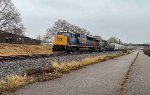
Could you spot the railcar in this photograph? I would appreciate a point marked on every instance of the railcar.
(118, 47)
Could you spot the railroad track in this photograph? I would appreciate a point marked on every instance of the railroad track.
(19, 57)
(36, 56)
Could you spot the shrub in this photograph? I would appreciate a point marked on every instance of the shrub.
(147, 51)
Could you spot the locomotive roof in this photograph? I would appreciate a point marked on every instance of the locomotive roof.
(90, 36)
(67, 32)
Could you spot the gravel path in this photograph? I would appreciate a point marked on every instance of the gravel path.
(139, 82)
(98, 79)
(20, 66)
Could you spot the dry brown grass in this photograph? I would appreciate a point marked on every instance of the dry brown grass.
(43, 74)
(11, 83)
(21, 49)
(74, 65)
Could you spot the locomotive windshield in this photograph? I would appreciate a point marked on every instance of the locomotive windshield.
(68, 34)
(63, 33)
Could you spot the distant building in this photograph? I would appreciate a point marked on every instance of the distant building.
(10, 38)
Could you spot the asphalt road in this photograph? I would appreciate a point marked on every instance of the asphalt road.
(139, 82)
(100, 79)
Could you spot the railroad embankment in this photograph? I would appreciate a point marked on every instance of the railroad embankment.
(52, 70)
(21, 49)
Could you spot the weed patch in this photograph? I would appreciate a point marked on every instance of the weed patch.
(13, 82)
(75, 65)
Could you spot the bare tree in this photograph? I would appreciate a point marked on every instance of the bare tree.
(39, 37)
(60, 25)
(63, 25)
(114, 40)
(10, 20)
(51, 32)
(44, 39)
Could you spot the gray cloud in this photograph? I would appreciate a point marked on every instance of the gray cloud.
(128, 20)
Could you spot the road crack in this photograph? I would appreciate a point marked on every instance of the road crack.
(126, 78)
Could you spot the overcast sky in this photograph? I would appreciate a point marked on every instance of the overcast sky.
(128, 20)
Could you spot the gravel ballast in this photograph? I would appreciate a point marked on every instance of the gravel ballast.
(20, 66)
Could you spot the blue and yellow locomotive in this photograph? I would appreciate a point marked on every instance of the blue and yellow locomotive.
(70, 42)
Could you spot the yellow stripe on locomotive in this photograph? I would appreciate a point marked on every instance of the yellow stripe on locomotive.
(60, 40)
(84, 40)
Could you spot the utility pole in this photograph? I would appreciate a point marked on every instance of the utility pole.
(119, 41)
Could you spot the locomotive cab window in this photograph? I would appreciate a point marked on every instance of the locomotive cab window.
(63, 33)
(72, 35)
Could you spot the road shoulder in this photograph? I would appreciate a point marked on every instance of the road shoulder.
(140, 78)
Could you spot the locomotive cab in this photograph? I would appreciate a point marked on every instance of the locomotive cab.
(65, 38)
(65, 41)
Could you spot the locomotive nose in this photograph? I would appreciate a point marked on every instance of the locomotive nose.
(60, 40)
(60, 43)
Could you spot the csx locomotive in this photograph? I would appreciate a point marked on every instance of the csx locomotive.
(70, 42)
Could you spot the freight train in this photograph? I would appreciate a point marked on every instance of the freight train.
(71, 42)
